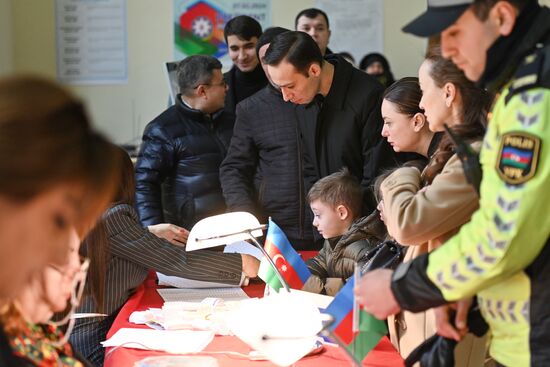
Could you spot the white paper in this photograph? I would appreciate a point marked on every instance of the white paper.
(319, 300)
(197, 295)
(180, 282)
(171, 341)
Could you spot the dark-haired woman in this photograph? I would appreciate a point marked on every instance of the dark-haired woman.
(58, 175)
(405, 126)
(122, 252)
(423, 209)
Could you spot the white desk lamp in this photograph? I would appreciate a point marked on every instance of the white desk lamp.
(228, 228)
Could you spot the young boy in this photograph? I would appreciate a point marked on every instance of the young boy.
(336, 204)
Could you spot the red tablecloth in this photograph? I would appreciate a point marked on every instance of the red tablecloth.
(146, 296)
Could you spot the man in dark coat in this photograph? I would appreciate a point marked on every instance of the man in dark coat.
(339, 113)
(262, 172)
(246, 77)
(315, 22)
(177, 171)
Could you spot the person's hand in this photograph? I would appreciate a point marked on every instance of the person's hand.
(170, 232)
(374, 294)
(250, 265)
(444, 325)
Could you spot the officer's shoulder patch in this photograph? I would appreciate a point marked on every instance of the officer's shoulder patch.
(518, 157)
(533, 71)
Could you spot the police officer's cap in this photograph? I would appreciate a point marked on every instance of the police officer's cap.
(439, 16)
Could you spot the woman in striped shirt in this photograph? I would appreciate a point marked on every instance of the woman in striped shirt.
(122, 252)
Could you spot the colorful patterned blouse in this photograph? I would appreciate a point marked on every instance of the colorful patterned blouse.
(35, 345)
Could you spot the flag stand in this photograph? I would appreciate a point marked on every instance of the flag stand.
(325, 332)
(329, 333)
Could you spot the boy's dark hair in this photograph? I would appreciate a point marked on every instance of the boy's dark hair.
(297, 48)
(339, 188)
(195, 70)
(268, 36)
(481, 8)
(243, 26)
(311, 13)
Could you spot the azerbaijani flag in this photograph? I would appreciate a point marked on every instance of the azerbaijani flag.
(370, 329)
(291, 266)
(516, 157)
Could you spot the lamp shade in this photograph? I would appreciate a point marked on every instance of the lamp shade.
(223, 229)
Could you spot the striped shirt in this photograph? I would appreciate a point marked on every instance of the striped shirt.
(133, 252)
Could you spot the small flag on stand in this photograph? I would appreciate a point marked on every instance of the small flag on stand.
(289, 263)
(370, 329)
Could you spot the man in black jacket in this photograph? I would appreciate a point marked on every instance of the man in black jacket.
(262, 172)
(339, 113)
(177, 171)
(315, 22)
(246, 77)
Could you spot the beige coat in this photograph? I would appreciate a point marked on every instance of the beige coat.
(425, 219)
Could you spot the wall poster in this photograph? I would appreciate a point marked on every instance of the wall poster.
(198, 25)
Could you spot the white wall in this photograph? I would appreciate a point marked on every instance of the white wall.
(122, 111)
(6, 44)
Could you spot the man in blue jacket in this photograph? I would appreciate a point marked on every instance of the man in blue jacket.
(177, 171)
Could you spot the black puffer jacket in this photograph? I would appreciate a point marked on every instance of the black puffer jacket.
(336, 261)
(177, 171)
(262, 172)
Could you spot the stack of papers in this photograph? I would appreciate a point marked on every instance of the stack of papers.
(197, 295)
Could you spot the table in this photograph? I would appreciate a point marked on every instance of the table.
(146, 296)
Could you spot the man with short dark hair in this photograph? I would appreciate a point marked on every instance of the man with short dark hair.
(177, 171)
(315, 22)
(339, 113)
(503, 254)
(246, 77)
(262, 172)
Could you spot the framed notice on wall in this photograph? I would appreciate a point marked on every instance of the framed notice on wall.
(91, 38)
(357, 25)
(198, 25)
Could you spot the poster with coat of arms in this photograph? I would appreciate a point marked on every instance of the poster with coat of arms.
(199, 24)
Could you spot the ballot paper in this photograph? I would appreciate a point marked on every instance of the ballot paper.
(170, 341)
(197, 295)
(210, 314)
(180, 282)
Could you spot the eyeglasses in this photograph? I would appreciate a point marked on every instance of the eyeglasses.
(77, 291)
(63, 270)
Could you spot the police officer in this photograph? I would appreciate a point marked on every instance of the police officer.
(503, 254)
